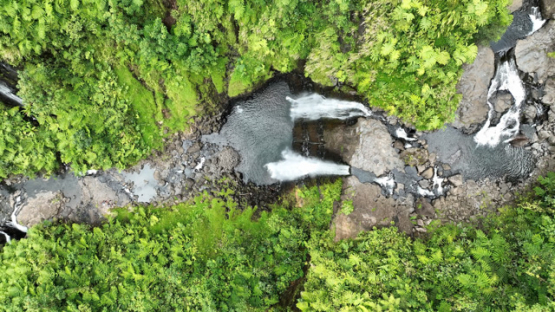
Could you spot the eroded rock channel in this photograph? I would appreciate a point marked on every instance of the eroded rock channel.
(503, 137)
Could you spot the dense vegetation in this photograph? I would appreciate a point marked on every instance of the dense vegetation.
(207, 256)
(104, 81)
(202, 256)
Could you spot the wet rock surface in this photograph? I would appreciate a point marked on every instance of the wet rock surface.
(374, 151)
(473, 86)
(43, 206)
(548, 96)
(515, 5)
(548, 9)
(531, 53)
(372, 209)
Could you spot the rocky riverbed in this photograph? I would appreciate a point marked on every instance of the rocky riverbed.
(467, 199)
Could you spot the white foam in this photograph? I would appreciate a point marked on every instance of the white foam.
(4, 89)
(386, 182)
(294, 166)
(437, 183)
(316, 106)
(506, 79)
(400, 133)
(200, 164)
(423, 192)
(13, 223)
(537, 20)
(437, 187)
(8, 238)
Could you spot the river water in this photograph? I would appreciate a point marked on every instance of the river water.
(262, 130)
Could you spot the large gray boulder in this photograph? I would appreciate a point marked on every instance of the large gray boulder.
(549, 92)
(548, 8)
(473, 85)
(371, 209)
(531, 53)
(43, 206)
(515, 5)
(374, 152)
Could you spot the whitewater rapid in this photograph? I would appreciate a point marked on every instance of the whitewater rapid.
(316, 106)
(294, 166)
(507, 78)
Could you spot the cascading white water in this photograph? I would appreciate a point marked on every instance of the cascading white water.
(437, 187)
(506, 79)
(400, 133)
(437, 183)
(387, 183)
(316, 106)
(537, 20)
(294, 166)
(7, 237)
(13, 222)
(9, 93)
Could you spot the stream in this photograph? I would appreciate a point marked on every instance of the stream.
(277, 135)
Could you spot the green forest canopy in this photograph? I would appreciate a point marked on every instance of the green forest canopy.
(206, 255)
(107, 80)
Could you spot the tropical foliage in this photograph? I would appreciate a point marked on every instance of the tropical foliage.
(201, 256)
(206, 255)
(105, 81)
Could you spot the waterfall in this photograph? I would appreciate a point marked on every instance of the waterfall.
(316, 106)
(13, 222)
(8, 95)
(537, 20)
(6, 237)
(294, 166)
(506, 79)
(312, 107)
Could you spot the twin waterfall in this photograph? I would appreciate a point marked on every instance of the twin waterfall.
(293, 166)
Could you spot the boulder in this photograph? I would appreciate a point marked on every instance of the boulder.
(428, 173)
(531, 53)
(548, 8)
(456, 180)
(371, 209)
(473, 85)
(414, 156)
(43, 206)
(549, 92)
(503, 102)
(374, 152)
(99, 198)
(515, 5)
(228, 159)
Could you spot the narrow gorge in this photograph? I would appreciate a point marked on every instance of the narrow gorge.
(293, 130)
